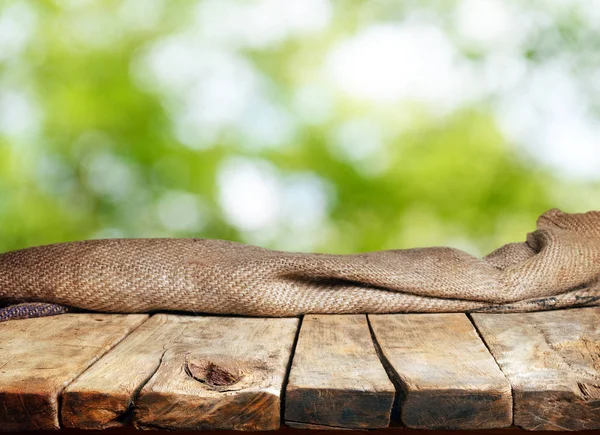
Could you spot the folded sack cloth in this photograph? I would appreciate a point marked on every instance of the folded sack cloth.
(557, 266)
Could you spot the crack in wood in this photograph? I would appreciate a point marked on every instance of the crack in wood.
(394, 377)
(309, 425)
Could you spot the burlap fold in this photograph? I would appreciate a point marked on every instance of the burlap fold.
(557, 266)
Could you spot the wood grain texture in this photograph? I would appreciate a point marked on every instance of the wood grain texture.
(103, 396)
(552, 359)
(40, 357)
(446, 377)
(218, 373)
(336, 379)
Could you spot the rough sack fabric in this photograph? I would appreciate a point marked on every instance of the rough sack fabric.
(558, 266)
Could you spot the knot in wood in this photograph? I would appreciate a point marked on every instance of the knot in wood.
(214, 374)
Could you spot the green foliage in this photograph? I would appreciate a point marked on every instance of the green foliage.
(105, 154)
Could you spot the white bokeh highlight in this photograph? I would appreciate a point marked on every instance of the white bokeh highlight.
(20, 115)
(260, 24)
(407, 62)
(549, 115)
(182, 212)
(266, 205)
(18, 23)
(111, 176)
(211, 92)
(489, 24)
(249, 194)
(361, 141)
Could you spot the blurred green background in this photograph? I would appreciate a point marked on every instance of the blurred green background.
(317, 125)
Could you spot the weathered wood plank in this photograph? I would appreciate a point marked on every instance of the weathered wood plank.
(168, 357)
(212, 373)
(103, 396)
(39, 357)
(447, 379)
(336, 379)
(552, 359)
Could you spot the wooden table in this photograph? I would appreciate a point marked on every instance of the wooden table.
(521, 371)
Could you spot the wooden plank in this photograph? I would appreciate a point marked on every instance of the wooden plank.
(221, 373)
(191, 373)
(552, 359)
(446, 377)
(336, 379)
(39, 357)
(103, 396)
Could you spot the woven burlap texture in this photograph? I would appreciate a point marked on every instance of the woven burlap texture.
(558, 266)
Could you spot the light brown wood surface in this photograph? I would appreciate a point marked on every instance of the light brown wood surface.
(336, 379)
(552, 360)
(103, 396)
(447, 379)
(40, 357)
(218, 373)
(214, 372)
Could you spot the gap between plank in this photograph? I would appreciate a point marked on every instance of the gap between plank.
(288, 369)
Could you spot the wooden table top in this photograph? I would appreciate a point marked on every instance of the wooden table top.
(493, 373)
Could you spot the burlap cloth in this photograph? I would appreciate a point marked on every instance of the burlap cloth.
(558, 266)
